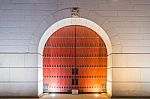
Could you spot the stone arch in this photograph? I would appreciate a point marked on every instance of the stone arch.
(75, 21)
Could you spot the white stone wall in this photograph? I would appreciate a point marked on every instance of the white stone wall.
(23, 22)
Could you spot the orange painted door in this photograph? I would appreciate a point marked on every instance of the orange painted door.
(75, 57)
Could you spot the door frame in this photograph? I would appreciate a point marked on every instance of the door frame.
(82, 22)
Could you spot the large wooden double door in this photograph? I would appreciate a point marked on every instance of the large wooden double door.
(75, 57)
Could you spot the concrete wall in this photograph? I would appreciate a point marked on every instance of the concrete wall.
(23, 22)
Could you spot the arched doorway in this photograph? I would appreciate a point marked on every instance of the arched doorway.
(75, 57)
(82, 22)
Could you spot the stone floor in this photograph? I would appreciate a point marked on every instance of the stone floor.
(69, 96)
